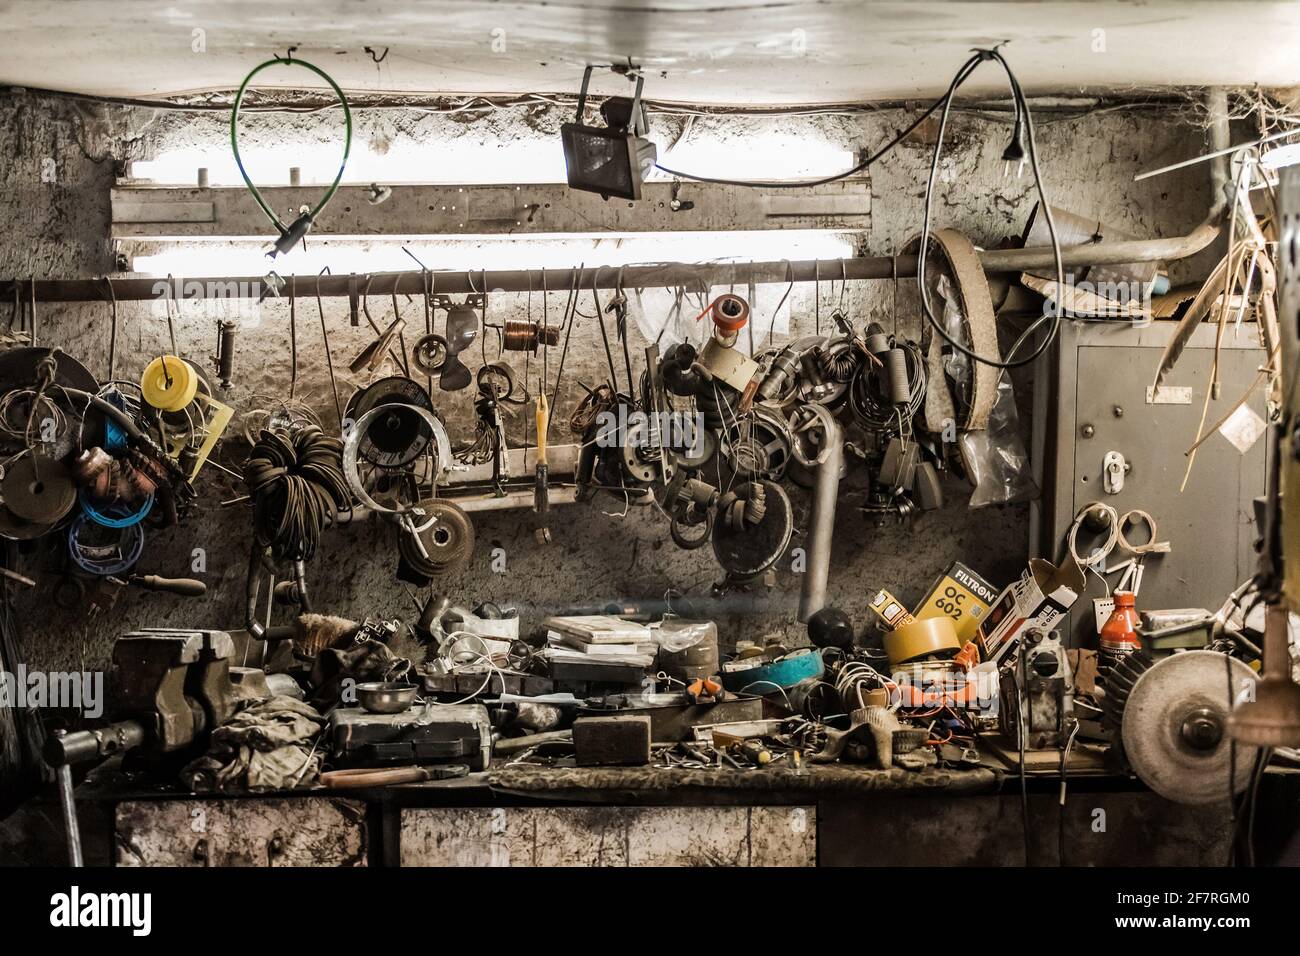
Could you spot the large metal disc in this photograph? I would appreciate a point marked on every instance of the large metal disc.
(1175, 727)
(749, 551)
(38, 489)
(400, 435)
(447, 536)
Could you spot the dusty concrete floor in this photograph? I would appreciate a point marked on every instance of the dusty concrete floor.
(60, 229)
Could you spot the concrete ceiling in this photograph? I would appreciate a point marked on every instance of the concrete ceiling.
(717, 51)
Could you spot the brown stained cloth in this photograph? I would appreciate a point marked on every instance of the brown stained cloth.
(266, 746)
(814, 779)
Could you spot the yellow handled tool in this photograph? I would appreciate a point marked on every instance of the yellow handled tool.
(541, 498)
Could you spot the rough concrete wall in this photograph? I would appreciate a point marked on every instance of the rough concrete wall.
(59, 230)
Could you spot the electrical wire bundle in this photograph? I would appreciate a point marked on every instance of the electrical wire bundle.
(296, 484)
(873, 386)
(1017, 151)
(595, 403)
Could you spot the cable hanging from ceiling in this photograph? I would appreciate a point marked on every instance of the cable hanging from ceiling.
(292, 233)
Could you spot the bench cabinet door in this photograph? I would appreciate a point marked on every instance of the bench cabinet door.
(609, 836)
(302, 831)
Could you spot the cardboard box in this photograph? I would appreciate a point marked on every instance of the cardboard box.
(961, 594)
(1038, 600)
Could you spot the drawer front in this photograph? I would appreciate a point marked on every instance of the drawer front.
(302, 831)
(609, 836)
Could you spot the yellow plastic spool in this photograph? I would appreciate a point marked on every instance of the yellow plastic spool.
(169, 383)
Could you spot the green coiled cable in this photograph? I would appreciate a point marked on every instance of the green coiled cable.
(234, 138)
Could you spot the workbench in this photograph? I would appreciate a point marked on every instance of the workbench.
(519, 814)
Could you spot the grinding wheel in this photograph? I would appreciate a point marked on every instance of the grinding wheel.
(398, 437)
(1175, 727)
(38, 489)
(447, 536)
(15, 529)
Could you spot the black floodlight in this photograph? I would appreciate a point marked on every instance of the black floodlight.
(611, 160)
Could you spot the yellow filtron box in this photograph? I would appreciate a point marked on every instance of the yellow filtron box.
(962, 595)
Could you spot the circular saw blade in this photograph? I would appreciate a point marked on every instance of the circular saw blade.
(1170, 702)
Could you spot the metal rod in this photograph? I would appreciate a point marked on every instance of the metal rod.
(68, 803)
(667, 275)
(812, 596)
(1204, 157)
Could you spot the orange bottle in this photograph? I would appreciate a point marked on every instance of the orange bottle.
(1119, 636)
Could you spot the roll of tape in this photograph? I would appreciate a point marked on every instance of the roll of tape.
(729, 312)
(169, 383)
(917, 639)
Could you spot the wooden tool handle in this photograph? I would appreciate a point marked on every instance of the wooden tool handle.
(543, 421)
(363, 777)
(184, 587)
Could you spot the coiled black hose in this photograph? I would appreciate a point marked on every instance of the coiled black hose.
(296, 483)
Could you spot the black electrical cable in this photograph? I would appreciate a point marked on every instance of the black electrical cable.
(1053, 313)
(297, 485)
(1020, 746)
(804, 183)
(1262, 759)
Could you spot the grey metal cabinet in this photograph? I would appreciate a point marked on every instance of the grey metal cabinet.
(1092, 398)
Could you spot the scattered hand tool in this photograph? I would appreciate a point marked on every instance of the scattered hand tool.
(754, 752)
(541, 497)
(704, 690)
(367, 777)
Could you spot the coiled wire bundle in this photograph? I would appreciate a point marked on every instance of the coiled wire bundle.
(878, 381)
(525, 335)
(297, 484)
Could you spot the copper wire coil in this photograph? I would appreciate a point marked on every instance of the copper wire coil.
(521, 335)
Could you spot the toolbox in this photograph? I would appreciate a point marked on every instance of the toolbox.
(424, 733)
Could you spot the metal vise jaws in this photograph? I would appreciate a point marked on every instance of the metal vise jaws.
(168, 687)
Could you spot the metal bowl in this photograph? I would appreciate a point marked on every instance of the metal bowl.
(386, 697)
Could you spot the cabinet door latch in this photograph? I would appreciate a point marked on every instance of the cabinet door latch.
(1113, 469)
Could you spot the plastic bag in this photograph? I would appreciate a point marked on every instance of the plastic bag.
(675, 634)
(996, 460)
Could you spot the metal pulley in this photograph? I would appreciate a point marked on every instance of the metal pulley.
(641, 454)
(38, 489)
(429, 353)
(758, 446)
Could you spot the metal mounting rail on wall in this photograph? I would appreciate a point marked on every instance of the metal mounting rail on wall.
(142, 211)
(660, 275)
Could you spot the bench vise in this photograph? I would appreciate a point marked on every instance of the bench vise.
(169, 688)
